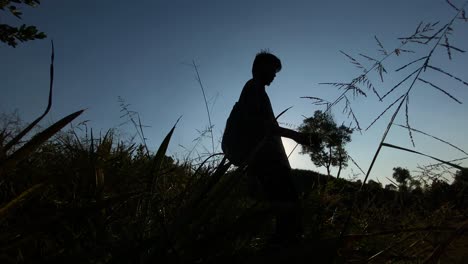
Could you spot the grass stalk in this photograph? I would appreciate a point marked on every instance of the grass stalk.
(206, 105)
(16, 139)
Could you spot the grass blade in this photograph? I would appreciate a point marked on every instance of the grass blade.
(434, 137)
(386, 109)
(284, 111)
(452, 47)
(452, 5)
(161, 153)
(19, 200)
(402, 81)
(37, 140)
(448, 74)
(49, 105)
(206, 104)
(419, 153)
(353, 60)
(382, 49)
(407, 121)
(401, 68)
(440, 89)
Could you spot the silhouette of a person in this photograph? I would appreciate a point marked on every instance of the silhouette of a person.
(270, 163)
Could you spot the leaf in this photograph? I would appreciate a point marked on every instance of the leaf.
(452, 47)
(284, 111)
(452, 5)
(448, 74)
(382, 49)
(418, 35)
(386, 109)
(49, 105)
(370, 86)
(434, 137)
(19, 200)
(369, 58)
(353, 60)
(351, 113)
(435, 35)
(15, 11)
(429, 27)
(402, 81)
(356, 164)
(417, 29)
(440, 89)
(381, 71)
(356, 90)
(447, 45)
(422, 154)
(407, 121)
(161, 153)
(401, 68)
(36, 141)
(339, 85)
(399, 51)
(406, 51)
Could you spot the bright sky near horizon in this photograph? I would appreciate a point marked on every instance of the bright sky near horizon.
(142, 51)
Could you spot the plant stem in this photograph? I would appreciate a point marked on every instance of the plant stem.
(206, 105)
(423, 67)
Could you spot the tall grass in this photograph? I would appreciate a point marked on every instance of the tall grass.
(104, 201)
(77, 197)
(436, 36)
(12, 152)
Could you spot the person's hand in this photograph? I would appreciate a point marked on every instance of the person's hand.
(308, 139)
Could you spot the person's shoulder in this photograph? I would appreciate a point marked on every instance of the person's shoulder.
(251, 87)
(249, 83)
(252, 92)
(248, 87)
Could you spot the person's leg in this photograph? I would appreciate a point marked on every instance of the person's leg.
(289, 218)
(280, 191)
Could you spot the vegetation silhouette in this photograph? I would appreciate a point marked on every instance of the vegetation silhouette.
(331, 151)
(74, 196)
(10, 34)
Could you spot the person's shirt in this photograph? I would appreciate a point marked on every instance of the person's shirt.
(257, 109)
(260, 118)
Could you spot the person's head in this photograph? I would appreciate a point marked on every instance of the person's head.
(265, 67)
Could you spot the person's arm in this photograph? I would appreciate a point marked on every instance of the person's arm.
(288, 133)
(308, 139)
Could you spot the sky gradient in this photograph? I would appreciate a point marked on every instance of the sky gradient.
(143, 52)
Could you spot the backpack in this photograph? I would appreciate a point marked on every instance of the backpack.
(235, 143)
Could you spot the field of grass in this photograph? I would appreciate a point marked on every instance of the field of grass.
(85, 199)
(75, 197)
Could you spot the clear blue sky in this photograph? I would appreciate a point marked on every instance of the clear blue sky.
(142, 51)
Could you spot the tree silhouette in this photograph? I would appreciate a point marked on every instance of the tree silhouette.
(331, 151)
(461, 177)
(10, 34)
(401, 176)
(373, 185)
